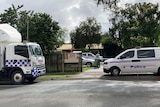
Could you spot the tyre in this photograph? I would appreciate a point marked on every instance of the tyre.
(89, 64)
(17, 77)
(115, 71)
(158, 72)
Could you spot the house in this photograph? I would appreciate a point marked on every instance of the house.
(66, 47)
(95, 46)
(69, 46)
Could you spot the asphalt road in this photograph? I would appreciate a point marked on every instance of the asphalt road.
(101, 91)
(82, 93)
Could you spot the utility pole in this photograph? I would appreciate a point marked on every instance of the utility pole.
(27, 30)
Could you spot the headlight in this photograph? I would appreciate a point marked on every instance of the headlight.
(34, 65)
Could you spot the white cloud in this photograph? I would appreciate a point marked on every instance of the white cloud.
(69, 13)
(4, 5)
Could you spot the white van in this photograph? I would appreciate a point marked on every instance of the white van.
(136, 60)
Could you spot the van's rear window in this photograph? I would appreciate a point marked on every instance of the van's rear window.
(146, 53)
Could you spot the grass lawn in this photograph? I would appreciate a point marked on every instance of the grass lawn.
(61, 75)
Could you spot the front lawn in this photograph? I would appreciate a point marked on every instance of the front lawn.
(61, 75)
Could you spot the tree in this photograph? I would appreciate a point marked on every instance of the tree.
(36, 27)
(88, 32)
(11, 16)
(157, 35)
(135, 24)
(111, 48)
(108, 3)
(46, 30)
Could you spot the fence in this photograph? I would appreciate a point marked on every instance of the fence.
(64, 62)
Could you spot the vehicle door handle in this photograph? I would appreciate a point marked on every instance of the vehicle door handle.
(135, 60)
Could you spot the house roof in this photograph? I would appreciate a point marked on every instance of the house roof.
(95, 46)
(69, 46)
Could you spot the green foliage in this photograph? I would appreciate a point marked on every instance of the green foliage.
(108, 3)
(111, 48)
(157, 36)
(88, 32)
(46, 30)
(135, 25)
(35, 27)
(10, 15)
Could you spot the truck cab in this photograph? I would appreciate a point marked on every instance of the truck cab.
(23, 61)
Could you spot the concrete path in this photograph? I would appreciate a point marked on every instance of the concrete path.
(94, 73)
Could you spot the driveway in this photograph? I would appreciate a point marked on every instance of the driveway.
(94, 73)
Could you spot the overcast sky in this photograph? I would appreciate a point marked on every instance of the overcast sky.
(69, 13)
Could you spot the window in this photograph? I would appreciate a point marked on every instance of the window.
(146, 53)
(35, 50)
(90, 55)
(128, 54)
(84, 54)
(21, 50)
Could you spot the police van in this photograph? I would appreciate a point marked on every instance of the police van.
(136, 60)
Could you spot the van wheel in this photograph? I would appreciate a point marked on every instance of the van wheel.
(115, 71)
(17, 77)
(158, 72)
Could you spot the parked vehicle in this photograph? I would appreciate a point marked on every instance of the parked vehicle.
(89, 55)
(19, 61)
(136, 60)
(87, 62)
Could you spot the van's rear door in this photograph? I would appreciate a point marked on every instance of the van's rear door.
(147, 60)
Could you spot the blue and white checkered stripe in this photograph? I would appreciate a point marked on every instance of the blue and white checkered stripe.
(18, 63)
(40, 70)
(37, 73)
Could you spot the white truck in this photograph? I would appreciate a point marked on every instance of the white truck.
(19, 61)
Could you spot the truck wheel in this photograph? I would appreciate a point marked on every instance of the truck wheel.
(17, 77)
(115, 71)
